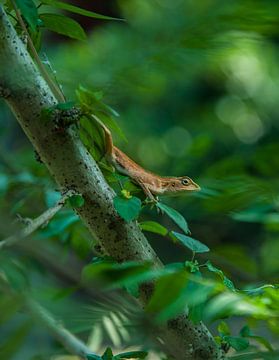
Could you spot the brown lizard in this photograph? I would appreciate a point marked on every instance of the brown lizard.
(150, 183)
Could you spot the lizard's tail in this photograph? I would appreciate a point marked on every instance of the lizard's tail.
(108, 137)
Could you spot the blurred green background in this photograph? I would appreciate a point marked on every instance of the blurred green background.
(196, 85)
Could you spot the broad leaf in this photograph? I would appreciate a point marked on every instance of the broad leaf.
(175, 292)
(246, 332)
(29, 12)
(154, 227)
(128, 209)
(93, 357)
(63, 25)
(227, 282)
(107, 355)
(175, 216)
(263, 355)
(116, 275)
(131, 355)
(192, 244)
(238, 343)
(76, 10)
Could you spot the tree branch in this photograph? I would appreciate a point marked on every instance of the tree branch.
(56, 329)
(45, 318)
(73, 168)
(36, 223)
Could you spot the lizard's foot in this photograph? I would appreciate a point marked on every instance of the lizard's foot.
(152, 201)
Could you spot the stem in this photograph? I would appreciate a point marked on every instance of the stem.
(36, 223)
(55, 89)
(58, 331)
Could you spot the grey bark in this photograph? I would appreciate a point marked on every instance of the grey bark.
(69, 162)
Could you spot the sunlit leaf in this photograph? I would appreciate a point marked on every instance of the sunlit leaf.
(223, 328)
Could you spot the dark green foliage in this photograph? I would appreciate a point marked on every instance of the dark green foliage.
(196, 87)
(63, 25)
(77, 10)
(29, 12)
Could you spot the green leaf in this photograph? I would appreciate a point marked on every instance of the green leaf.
(63, 25)
(238, 343)
(107, 355)
(223, 329)
(273, 355)
(93, 357)
(192, 266)
(91, 103)
(175, 292)
(261, 341)
(227, 282)
(192, 244)
(128, 209)
(154, 227)
(246, 332)
(29, 12)
(131, 355)
(167, 290)
(175, 216)
(77, 10)
(76, 201)
(116, 275)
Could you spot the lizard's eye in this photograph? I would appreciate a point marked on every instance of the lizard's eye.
(185, 182)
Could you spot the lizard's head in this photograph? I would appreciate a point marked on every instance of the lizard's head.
(183, 183)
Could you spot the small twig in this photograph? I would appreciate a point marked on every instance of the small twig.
(58, 331)
(35, 224)
(45, 318)
(56, 90)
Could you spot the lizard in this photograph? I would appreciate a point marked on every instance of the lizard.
(150, 183)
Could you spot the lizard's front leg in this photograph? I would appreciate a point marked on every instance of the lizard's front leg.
(147, 192)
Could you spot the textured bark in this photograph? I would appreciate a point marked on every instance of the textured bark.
(68, 161)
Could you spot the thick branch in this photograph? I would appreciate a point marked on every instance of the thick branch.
(73, 168)
(35, 224)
